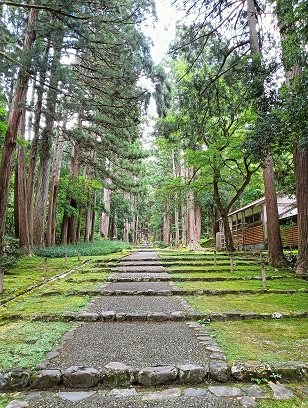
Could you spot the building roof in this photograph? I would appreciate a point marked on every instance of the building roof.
(289, 211)
(249, 205)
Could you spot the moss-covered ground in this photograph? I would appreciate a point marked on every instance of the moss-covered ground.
(28, 293)
(279, 340)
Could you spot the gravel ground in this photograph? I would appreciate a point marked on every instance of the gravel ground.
(153, 262)
(141, 268)
(139, 275)
(208, 401)
(141, 256)
(136, 304)
(142, 286)
(136, 344)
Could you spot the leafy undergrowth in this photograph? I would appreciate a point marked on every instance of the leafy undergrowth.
(24, 344)
(262, 341)
(98, 247)
(253, 303)
(4, 400)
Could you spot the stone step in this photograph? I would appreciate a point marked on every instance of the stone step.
(113, 316)
(177, 292)
(118, 277)
(231, 396)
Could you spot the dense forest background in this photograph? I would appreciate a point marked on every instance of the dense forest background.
(231, 122)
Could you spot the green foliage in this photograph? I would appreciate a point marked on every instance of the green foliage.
(98, 247)
(24, 344)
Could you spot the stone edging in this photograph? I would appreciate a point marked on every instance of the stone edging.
(176, 292)
(176, 316)
(117, 374)
(187, 279)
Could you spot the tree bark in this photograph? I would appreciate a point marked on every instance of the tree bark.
(275, 248)
(93, 217)
(176, 210)
(301, 178)
(198, 218)
(54, 188)
(166, 229)
(74, 173)
(46, 148)
(105, 215)
(34, 141)
(10, 140)
(288, 28)
(24, 238)
(184, 204)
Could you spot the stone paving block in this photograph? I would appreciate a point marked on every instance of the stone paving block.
(281, 392)
(118, 374)
(75, 396)
(122, 393)
(157, 316)
(222, 391)
(291, 370)
(81, 377)
(177, 316)
(17, 404)
(218, 356)
(161, 395)
(219, 371)
(243, 371)
(255, 391)
(248, 402)
(108, 315)
(120, 317)
(152, 376)
(15, 379)
(191, 374)
(87, 317)
(195, 392)
(45, 379)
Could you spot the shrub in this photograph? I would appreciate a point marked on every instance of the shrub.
(96, 248)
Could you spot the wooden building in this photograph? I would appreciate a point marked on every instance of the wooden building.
(249, 225)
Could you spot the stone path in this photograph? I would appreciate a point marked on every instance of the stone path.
(155, 347)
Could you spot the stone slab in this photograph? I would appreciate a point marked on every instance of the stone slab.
(281, 392)
(75, 395)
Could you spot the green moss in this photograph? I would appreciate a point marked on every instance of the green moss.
(28, 305)
(293, 403)
(262, 341)
(279, 284)
(24, 344)
(4, 400)
(265, 303)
